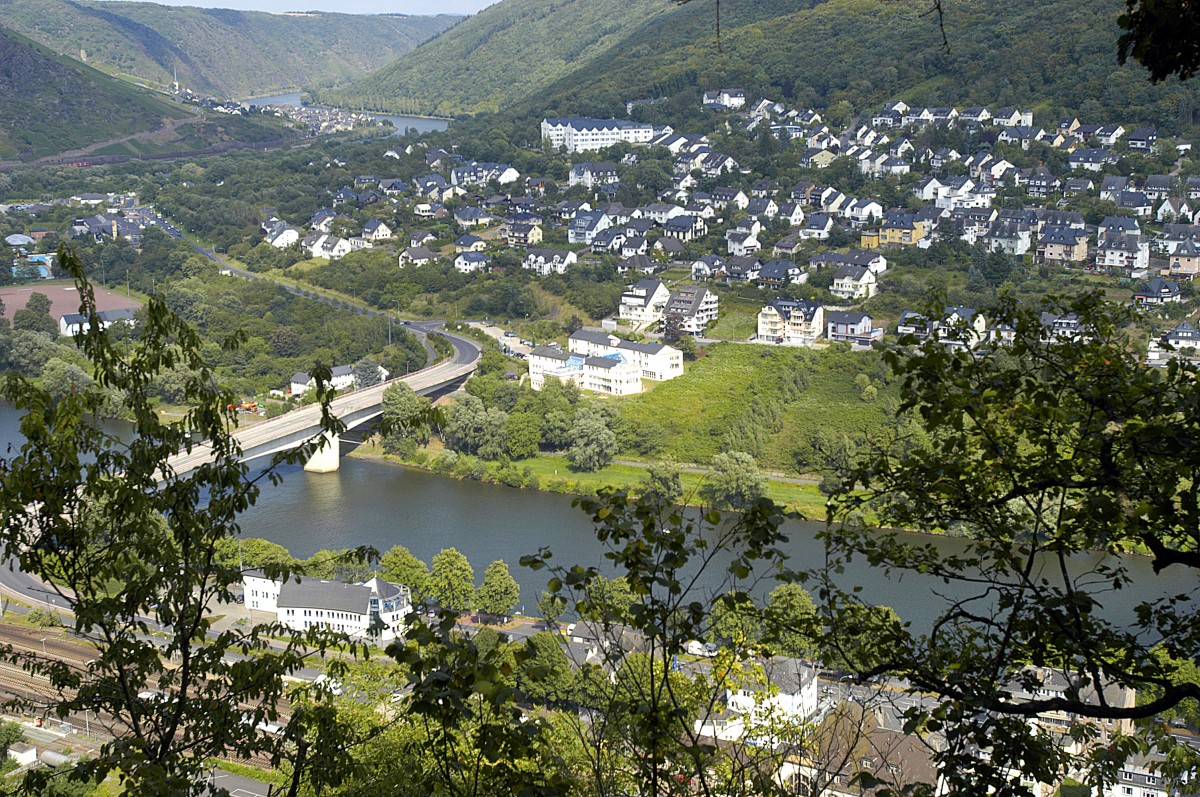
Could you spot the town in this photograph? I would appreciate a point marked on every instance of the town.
(840, 254)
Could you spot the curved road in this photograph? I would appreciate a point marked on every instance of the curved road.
(28, 589)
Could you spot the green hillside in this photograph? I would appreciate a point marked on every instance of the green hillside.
(504, 53)
(1048, 54)
(1051, 55)
(236, 54)
(52, 104)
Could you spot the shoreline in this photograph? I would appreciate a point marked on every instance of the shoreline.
(804, 499)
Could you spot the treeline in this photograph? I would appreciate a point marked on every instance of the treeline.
(1056, 57)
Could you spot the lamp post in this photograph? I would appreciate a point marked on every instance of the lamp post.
(44, 654)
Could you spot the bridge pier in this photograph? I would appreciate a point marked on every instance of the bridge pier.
(327, 459)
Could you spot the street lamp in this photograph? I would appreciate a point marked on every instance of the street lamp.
(44, 654)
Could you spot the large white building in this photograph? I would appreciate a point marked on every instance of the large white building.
(642, 303)
(656, 361)
(604, 363)
(789, 322)
(375, 608)
(580, 134)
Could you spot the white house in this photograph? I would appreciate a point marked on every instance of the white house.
(696, 308)
(545, 262)
(854, 282)
(613, 374)
(642, 303)
(470, 262)
(797, 322)
(76, 323)
(579, 134)
(341, 378)
(375, 608)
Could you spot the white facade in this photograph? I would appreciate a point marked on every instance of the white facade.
(582, 134)
(655, 360)
(613, 375)
(375, 608)
(642, 303)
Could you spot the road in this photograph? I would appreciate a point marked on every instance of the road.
(259, 435)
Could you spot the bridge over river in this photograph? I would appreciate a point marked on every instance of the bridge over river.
(352, 409)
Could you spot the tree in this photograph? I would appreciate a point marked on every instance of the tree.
(405, 414)
(452, 581)
(551, 607)
(524, 434)
(366, 373)
(252, 552)
(38, 303)
(33, 321)
(663, 483)
(791, 622)
(1039, 454)
(736, 481)
(736, 621)
(10, 733)
(593, 443)
(499, 593)
(545, 676)
(401, 567)
(62, 379)
(83, 511)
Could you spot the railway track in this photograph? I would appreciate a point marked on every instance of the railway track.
(37, 693)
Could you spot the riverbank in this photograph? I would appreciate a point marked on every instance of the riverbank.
(552, 474)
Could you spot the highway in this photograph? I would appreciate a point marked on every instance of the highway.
(305, 420)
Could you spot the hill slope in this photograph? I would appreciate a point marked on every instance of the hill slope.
(228, 53)
(52, 104)
(504, 53)
(1048, 54)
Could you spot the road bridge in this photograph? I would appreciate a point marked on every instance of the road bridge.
(352, 409)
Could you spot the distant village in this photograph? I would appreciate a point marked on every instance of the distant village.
(724, 231)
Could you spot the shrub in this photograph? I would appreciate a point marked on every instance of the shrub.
(44, 618)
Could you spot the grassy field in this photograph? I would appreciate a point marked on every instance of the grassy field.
(738, 319)
(738, 398)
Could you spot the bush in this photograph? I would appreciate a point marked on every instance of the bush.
(44, 618)
(445, 462)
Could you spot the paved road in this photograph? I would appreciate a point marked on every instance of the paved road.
(462, 363)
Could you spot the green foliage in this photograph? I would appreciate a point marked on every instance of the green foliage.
(252, 552)
(791, 620)
(663, 483)
(768, 401)
(789, 50)
(44, 618)
(546, 676)
(401, 567)
(736, 482)
(114, 511)
(526, 43)
(499, 593)
(1038, 453)
(593, 443)
(452, 581)
(53, 104)
(523, 434)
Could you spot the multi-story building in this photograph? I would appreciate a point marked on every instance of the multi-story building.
(374, 608)
(580, 134)
(789, 322)
(642, 303)
(656, 361)
(696, 308)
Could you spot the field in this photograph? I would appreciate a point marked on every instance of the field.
(770, 401)
(63, 297)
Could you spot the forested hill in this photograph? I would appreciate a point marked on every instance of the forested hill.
(515, 48)
(1051, 55)
(236, 54)
(51, 104)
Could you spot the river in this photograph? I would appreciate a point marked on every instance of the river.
(377, 504)
(403, 123)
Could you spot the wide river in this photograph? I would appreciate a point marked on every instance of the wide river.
(419, 123)
(380, 505)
